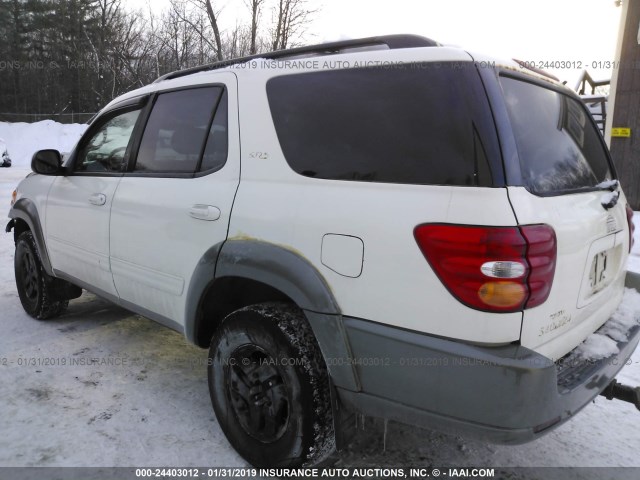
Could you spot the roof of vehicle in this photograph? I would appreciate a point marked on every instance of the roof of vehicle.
(345, 54)
(392, 42)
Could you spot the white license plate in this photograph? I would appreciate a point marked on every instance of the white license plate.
(598, 274)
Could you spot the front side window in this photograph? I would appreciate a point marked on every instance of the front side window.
(560, 149)
(178, 127)
(105, 150)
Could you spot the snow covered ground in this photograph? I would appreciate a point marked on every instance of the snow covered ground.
(153, 408)
(24, 139)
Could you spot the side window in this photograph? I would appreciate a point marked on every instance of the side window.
(175, 135)
(105, 150)
(426, 124)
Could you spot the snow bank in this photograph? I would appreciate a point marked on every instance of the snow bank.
(24, 139)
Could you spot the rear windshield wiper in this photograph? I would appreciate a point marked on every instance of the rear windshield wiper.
(609, 200)
(611, 185)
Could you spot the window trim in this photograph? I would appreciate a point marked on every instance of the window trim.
(138, 103)
(204, 145)
(129, 172)
(138, 99)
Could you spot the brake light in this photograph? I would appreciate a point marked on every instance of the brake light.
(632, 227)
(495, 269)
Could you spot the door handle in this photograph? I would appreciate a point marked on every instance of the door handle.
(98, 199)
(205, 212)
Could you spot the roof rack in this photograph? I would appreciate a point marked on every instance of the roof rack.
(391, 41)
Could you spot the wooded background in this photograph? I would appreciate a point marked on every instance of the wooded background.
(65, 59)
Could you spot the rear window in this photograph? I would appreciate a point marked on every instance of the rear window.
(560, 150)
(417, 124)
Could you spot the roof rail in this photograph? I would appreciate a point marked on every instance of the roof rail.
(539, 71)
(391, 41)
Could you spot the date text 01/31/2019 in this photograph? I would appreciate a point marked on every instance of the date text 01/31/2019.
(354, 472)
(571, 64)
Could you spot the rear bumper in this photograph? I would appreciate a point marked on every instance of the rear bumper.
(507, 395)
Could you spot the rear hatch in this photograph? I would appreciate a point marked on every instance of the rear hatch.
(561, 175)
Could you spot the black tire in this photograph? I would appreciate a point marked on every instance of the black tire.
(270, 388)
(35, 286)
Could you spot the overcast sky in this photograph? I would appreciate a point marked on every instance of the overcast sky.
(535, 30)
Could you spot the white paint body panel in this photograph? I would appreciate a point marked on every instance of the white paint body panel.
(156, 242)
(397, 286)
(36, 188)
(77, 232)
(571, 313)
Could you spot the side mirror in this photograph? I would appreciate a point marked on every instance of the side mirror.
(47, 162)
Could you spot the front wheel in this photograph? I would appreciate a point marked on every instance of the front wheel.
(36, 288)
(270, 388)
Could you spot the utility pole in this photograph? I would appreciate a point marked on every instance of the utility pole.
(623, 125)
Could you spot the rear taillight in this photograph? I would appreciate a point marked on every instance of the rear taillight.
(496, 269)
(632, 227)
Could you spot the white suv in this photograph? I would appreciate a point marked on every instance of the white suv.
(384, 226)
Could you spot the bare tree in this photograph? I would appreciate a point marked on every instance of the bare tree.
(129, 53)
(207, 6)
(292, 17)
(194, 19)
(94, 50)
(255, 7)
(237, 42)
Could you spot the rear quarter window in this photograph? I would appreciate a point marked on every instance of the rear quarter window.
(417, 124)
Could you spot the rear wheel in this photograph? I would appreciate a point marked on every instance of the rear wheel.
(270, 388)
(35, 286)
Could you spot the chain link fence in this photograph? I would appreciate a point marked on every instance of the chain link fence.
(37, 117)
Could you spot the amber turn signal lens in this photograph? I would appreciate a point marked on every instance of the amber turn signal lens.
(502, 294)
(14, 197)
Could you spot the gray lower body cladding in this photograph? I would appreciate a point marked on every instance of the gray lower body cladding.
(506, 394)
